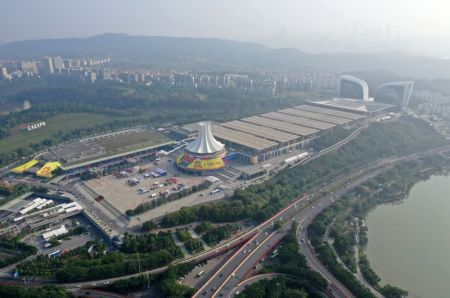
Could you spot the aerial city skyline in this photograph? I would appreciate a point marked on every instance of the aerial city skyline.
(234, 149)
(368, 26)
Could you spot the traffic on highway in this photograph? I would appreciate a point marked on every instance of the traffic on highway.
(226, 281)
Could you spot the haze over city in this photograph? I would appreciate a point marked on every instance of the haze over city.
(414, 26)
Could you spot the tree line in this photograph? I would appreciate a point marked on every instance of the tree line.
(165, 282)
(35, 292)
(139, 252)
(19, 251)
(220, 233)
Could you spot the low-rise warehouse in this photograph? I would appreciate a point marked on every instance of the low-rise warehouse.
(316, 116)
(259, 138)
(299, 130)
(242, 138)
(332, 112)
(261, 131)
(251, 148)
(299, 120)
(55, 233)
(50, 215)
(355, 106)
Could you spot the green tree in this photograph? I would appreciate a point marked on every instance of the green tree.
(393, 292)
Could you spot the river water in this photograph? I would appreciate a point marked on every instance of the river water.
(409, 242)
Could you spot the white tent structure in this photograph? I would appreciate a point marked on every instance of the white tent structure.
(205, 143)
(204, 154)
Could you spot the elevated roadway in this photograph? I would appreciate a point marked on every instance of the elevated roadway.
(303, 210)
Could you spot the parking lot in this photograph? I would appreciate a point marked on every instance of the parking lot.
(67, 243)
(139, 186)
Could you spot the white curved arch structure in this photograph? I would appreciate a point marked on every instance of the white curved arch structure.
(344, 81)
(403, 90)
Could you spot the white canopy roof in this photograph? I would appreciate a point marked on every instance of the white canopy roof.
(205, 142)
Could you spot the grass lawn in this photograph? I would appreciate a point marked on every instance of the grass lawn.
(63, 123)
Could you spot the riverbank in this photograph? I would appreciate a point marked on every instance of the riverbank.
(418, 242)
(346, 218)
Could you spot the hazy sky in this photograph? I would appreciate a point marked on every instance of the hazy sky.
(314, 25)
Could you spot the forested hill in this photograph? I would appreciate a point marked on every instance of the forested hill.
(126, 46)
(156, 51)
(218, 54)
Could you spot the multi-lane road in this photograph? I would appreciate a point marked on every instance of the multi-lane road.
(336, 287)
(242, 261)
(303, 210)
(229, 277)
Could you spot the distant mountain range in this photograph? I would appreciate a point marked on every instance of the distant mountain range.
(205, 54)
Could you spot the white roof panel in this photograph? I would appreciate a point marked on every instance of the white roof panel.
(205, 142)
